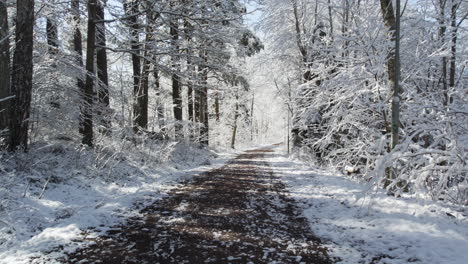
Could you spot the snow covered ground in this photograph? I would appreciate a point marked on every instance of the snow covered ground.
(85, 191)
(362, 226)
(358, 225)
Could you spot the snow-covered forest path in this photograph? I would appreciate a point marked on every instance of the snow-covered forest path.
(239, 213)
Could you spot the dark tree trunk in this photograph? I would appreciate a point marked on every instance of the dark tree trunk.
(159, 106)
(442, 34)
(4, 69)
(453, 48)
(52, 35)
(234, 126)
(22, 72)
(196, 104)
(203, 101)
(306, 75)
(78, 48)
(204, 111)
(176, 89)
(300, 44)
(392, 22)
(143, 99)
(188, 30)
(217, 113)
(53, 43)
(140, 114)
(144, 81)
(190, 102)
(87, 113)
(101, 62)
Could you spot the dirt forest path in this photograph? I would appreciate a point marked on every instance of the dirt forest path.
(239, 213)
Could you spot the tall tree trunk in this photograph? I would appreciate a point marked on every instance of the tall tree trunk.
(217, 113)
(393, 68)
(205, 114)
(300, 43)
(159, 104)
(140, 114)
(176, 89)
(234, 126)
(22, 72)
(442, 34)
(53, 44)
(190, 102)
(197, 101)
(4, 69)
(78, 48)
(101, 63)
(330, 19)
(144, 82)
(87, 113)
(52, 35)
(453, 48)
(188, 30)
(306, 74)
(201, 108)
(344, 28)
(252, 117)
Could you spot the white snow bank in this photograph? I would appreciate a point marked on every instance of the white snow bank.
(374, 228)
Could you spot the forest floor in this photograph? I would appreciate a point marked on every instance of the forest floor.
(239, 213)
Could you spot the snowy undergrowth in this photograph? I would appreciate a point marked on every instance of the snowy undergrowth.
(363, 227)
(51, 194)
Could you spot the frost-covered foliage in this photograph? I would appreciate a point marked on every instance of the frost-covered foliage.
(341, 112)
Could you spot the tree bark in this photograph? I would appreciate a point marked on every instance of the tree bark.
(144, 82)
(52, 35)
(453, 48)
(78, 48)
(306, 74)
(442, 34)
(188, 30)
(4, 69)
(53, 46)
(202, 93)
(217, 112)
(101, 63)
(234, 127)
(300, 43)
(159, 105)
(140, 113)
(87, 113)
(392, 21)
(392, 24)
(176, 93)
(22, 72)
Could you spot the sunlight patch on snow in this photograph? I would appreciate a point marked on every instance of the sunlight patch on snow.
(64, 234)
